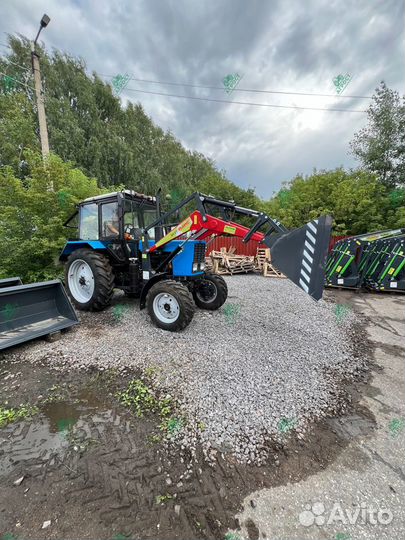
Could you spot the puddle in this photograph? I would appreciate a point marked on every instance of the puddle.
(59, 428)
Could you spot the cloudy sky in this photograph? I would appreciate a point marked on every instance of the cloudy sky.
(290, 46)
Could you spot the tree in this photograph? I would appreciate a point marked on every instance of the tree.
(358, 202)
(380, 146)
(31, 217)
(88, 126)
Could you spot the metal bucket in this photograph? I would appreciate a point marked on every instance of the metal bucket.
(10, 282)
(301, 254)
(34, 310)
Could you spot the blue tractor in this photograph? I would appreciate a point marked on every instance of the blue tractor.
(124, 241)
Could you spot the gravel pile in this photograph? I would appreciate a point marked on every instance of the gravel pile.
(267, 362)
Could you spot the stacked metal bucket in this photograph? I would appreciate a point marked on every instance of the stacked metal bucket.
(374, 261)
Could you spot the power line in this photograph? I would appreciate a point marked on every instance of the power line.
(257, 91)
(14, 64)
(16, 80)
(244, 102)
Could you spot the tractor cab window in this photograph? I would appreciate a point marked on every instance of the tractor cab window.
(132, 224)
(89, 222)
(149, 216)
(109, 220)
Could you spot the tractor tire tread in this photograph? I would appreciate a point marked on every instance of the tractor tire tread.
(186, 299)
(104, 277)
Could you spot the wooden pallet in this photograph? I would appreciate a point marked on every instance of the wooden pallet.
(263, 263)
(228, 263)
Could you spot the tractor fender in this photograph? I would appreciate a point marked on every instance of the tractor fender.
(148, 285)
(72, 246)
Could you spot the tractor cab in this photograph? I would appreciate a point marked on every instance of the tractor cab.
(116, 217)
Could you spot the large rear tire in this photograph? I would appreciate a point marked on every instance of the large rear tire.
(89, 279)
(170, 305)
(210, 292)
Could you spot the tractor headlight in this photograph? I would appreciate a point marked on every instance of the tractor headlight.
(195, 267)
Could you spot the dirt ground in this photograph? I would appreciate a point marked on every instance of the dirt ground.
(93, 469)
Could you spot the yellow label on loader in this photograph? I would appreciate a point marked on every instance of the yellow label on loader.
(230, 230)
(391, 271)
(338, 269)
(181, 228)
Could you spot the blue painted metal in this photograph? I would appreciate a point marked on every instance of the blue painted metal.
(182, 263)
(72, 245)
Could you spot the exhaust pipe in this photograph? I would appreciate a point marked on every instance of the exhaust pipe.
(301, 254)
(34, 310)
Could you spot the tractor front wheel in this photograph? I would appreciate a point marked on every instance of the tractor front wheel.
(89, 279)
(170, 305)
(210, 292)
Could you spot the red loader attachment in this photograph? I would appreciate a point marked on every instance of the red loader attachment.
(300, 254)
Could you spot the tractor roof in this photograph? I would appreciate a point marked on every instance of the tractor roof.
(129, 192)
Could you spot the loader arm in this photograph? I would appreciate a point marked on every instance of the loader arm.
(300, 254)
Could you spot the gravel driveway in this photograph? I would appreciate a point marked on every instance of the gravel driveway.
(268, 362)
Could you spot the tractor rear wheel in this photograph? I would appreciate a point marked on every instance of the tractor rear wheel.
(210, 292)
(170, 305)
(90, 280)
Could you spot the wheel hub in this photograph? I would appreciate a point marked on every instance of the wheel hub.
(166, 308)
(81, 281)
(206, 291)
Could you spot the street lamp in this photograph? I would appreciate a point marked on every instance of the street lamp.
(43, 24)
(43, 130)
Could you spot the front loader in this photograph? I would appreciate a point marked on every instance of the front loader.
(125, 242)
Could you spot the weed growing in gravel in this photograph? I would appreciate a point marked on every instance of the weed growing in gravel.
(396, 426)
(140, 397)
(341, 312)
(287, 424)
(161, 499)
(9, 415)
(232, 313)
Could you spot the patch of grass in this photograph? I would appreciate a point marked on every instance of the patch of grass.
(201, 426)
(142, 398)
(10, 415)
(162, 499)
(154, 438)
(55, 394)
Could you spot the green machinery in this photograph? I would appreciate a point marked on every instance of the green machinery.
(373, 260)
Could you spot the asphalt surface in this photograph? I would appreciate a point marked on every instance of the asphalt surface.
(342, 501)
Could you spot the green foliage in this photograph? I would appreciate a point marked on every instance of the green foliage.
(90, 127)
(32, 216)
(141, 398)
(357, 201)
(380, 146)
(161, 499)
(9, 415)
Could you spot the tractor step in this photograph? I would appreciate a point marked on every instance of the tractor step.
(34, 310)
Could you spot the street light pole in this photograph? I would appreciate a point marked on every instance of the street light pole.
(43, 130)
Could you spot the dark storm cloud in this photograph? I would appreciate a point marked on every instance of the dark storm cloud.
(279, 45)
